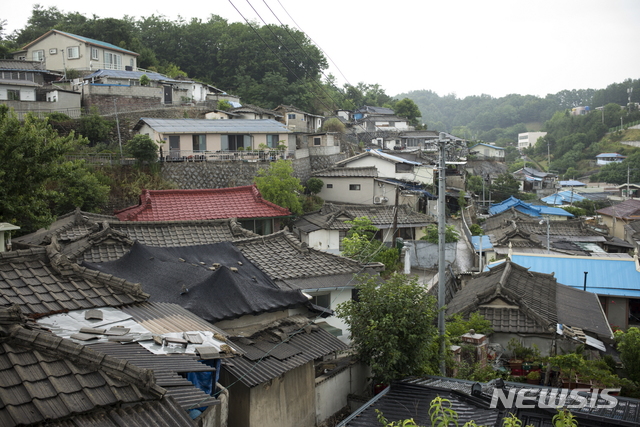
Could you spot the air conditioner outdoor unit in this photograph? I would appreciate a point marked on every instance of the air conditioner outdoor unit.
(377, 200)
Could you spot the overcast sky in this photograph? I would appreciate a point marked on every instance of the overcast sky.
(464, 47)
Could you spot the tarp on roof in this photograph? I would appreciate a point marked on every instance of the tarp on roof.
(411, 187)
(187, 276)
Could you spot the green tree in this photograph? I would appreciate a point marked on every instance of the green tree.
(407, 108)
(314, 185)
(34, 173)
(333, 125)
(278, 185)
(360, 244)
(95, 127)
(392, 326)
(504, 186)
(224, 105)
(143, 149)
(629, 347)
(77, 186)
(474, 184)
(144, 80)
(451, 235)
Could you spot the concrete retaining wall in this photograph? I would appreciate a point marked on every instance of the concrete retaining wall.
(425, 255)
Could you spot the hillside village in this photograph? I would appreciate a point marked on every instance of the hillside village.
(210, 305)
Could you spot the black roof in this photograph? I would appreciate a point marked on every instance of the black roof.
(215, 282)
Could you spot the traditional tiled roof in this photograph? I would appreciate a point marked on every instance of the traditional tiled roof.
(627, 210)
(625, 413)
(49, 380)
(255, 109)
(42, 281)
(19, 65)
(517, 300)
(282, 256)
(278, 348)
(405, 399)
(333, 216)
(512, 298)
(180, 205)
(361, 172)
(67, 228)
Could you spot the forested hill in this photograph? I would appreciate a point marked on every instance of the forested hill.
(491, 119)
(269, 65)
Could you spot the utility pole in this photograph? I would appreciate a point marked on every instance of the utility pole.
(628, 170)
(442, 142)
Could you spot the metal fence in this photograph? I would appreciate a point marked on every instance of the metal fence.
(221, 155)
(74, 113)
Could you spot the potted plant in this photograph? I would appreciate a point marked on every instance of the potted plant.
(533, 377)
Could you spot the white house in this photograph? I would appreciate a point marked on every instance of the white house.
(606, 158)
(529, 139)
(390, 166)
(61, 51)
(487, 151)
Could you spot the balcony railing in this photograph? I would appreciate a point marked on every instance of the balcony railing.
(224, 155)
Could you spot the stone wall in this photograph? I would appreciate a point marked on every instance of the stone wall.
(222, 174)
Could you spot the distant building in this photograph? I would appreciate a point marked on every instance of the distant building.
(580, 111)
(488, 152)
(606, 158)
(528, 139)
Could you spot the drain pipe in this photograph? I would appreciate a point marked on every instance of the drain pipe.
(585, 280)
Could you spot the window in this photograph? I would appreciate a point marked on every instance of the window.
(404, 167)
(322, 300)
(291, 116)
(73, 52)
(112, 61)
(38, 55)
(329, 185)
(272, 141)
(13, 95)
(354, 187)
(234, 142)
(199, 143)
(317, 140)
(94, 54)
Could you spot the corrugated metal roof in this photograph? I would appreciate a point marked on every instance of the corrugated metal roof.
(131, 75)
(600, 280)
(214, 126)
(96, 42)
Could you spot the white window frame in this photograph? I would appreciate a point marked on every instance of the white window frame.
(38, 55)
(112, 61)
(71, 50)
(95, 54)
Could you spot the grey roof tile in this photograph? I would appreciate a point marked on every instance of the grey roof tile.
(46, 378)
(44, 281)
(305, 342)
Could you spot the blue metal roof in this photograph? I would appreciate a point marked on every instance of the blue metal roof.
(97, 42)
(606, 276)
(486, 243)
(393, 158)
(131, 75)
(616, 155)
(563, 197)
(527, 208)
(487, 145)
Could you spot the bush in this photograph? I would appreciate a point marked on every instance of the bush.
(451, 235)
(143, 149)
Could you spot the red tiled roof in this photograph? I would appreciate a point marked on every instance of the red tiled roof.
(180, 205)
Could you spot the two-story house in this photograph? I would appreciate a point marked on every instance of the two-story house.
(297, 120)
(26, 86)
(61, 51)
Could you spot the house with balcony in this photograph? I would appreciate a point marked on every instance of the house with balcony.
(26, 86)
(60, 51)
(208, 140)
